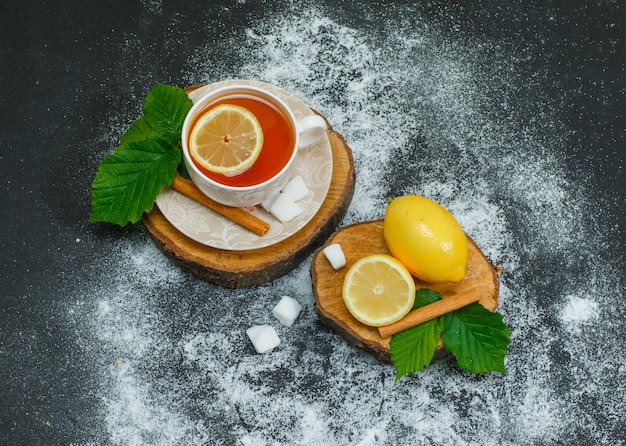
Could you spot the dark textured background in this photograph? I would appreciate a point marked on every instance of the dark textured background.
(69, 68)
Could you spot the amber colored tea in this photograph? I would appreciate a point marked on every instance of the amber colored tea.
(278, 141)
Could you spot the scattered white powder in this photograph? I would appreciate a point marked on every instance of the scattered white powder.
(177, 367)
(577, 311)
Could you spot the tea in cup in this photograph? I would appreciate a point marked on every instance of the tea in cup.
(282, 135)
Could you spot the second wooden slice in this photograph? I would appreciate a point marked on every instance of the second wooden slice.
(362, 239)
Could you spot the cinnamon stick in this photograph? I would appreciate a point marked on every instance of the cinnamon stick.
(431, 311)
(238, 215)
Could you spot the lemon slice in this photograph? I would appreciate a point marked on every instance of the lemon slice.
(227, 139)
(378, 290)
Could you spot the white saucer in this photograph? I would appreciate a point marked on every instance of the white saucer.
(313, 163)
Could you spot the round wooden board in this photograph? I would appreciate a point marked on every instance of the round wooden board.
(239, 269)
(361, 239)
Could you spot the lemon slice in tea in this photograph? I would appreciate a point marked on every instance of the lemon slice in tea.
(378, 290)
(226, 139)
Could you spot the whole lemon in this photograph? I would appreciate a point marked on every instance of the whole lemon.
(426, 238)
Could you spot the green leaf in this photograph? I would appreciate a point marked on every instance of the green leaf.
(165, 108)
(129, 180)
(424, 296)
(140, 130)
(183, 172)
(411, 350)
(477, 338)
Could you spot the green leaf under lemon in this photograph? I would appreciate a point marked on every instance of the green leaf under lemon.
(424, 296)
(476, 337)
(411, 350)
(147, 159)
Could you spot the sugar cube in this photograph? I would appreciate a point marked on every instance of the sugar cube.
(285, 209)
(296, 188)
(263, 338)
(268, 202)
(335, 255)
(287, 310)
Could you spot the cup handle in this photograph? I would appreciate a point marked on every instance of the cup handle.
(310, 129)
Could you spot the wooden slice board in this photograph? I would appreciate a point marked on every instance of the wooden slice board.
(361, 239)
(239, 269)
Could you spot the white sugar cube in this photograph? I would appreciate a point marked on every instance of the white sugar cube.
(335, 255)
(296, 188)
(287, 310)
(263, 337)
(269, 202)
(285, 209)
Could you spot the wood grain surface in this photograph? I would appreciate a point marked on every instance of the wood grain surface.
(238, 269)
(361, 239)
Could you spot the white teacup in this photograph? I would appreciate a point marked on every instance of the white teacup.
(284, 135)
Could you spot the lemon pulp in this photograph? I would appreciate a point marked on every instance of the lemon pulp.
(378, 290)
(226, 139)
